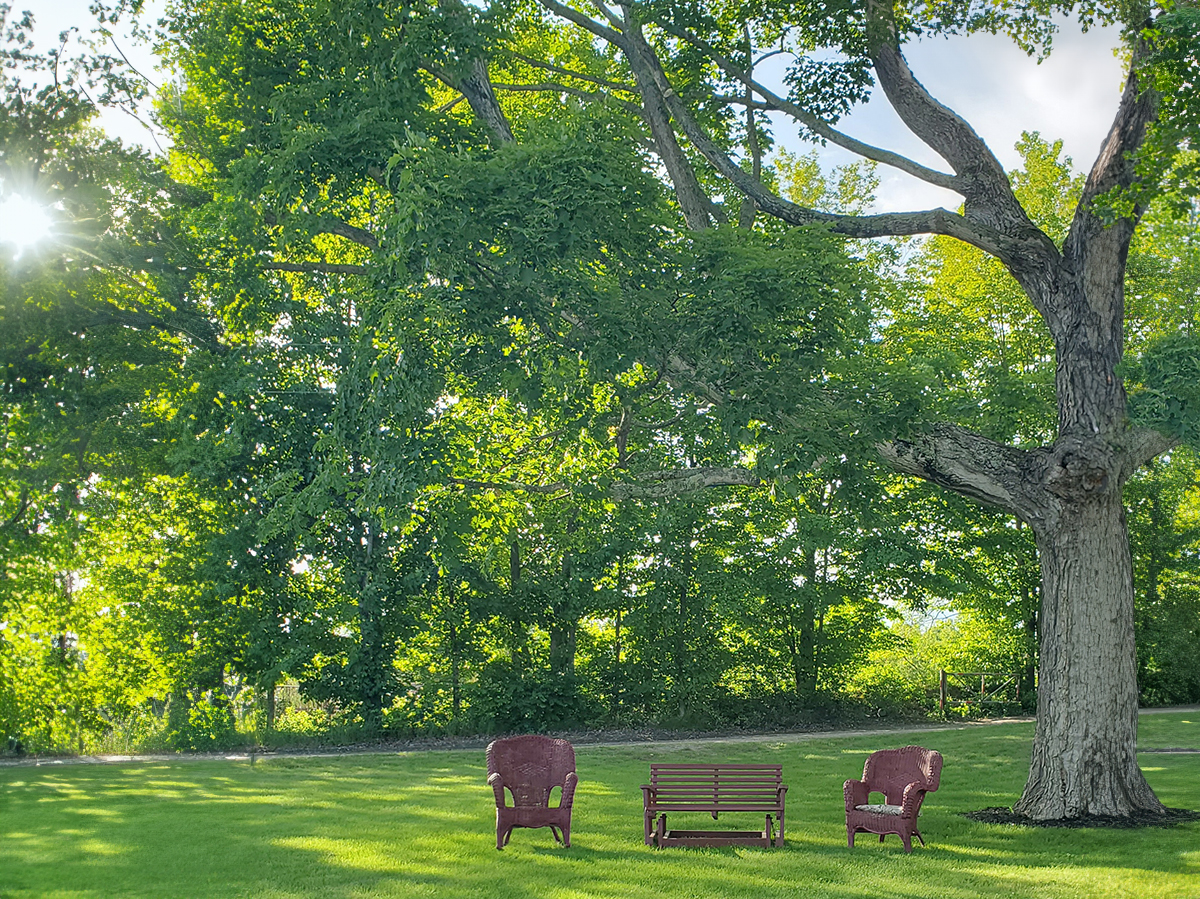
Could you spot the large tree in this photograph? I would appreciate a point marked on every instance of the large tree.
(1068, 491)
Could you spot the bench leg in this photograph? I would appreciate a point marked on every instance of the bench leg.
(648, 823)
(779, 836)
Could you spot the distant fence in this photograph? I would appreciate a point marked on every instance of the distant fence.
(980, 688)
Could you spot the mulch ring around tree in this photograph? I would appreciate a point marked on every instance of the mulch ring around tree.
(1170, 818)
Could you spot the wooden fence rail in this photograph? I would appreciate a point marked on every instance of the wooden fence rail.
(978, 688)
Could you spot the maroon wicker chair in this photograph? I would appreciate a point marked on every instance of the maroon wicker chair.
(903, 776)
(529, 768)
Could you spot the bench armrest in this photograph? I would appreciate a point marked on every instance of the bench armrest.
(856, 793)
(496, 782)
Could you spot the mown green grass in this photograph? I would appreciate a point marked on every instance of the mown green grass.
(422, 824)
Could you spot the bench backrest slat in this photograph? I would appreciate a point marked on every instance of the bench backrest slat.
(704, 787)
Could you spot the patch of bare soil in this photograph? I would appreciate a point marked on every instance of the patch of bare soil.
(1170, 818)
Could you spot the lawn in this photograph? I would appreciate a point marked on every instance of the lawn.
(422, 824)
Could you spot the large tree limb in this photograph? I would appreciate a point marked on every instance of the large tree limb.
(981, 178)
(818, 126)
(611, 35)
(693, 202)
(1115, 166)
(646, 485)
(891, 224)
(1143, 445)
(972, 465)
(476, 86)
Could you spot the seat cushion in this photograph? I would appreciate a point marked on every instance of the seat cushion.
(880, 809)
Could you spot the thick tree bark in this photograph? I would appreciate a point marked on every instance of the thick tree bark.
(1084, 753)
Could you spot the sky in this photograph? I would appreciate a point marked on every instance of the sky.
(1071, 96)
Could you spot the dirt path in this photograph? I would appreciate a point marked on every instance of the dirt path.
(798, 737)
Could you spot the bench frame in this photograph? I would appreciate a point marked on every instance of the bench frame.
(713, 789)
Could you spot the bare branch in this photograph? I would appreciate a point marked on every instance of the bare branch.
(327, 268)
(446, 107)
(571, 73)
(665, 484)
(511, 486)
(614, 37)
(817, 125)
(555, 87)
(694, 203)
(328, 224)
(23, 504)
(646, 485)
(350, 232)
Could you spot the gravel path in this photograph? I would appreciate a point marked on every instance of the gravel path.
(589, 740)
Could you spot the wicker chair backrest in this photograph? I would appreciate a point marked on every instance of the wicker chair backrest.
(531, 766)
(889, 771)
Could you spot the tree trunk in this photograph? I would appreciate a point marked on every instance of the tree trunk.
(562, 647)
(1084, 754)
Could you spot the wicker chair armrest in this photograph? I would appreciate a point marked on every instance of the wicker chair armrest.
(856, 793)
(570, 782)
(496, 782)
(911, 803)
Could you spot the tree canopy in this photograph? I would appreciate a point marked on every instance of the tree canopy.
(495, 353)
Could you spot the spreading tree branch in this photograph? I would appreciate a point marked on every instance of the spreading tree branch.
(327, 268)
(773, 101)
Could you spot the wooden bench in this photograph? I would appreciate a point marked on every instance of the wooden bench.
(713, 789)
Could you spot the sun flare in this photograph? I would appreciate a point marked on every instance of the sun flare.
(23, 223)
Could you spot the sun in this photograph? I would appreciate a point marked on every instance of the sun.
(23, 223)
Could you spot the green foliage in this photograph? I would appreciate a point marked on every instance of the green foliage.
(1165, 386)
(1164, 516)
(210, 726)
(1168, 162)
(351, 391)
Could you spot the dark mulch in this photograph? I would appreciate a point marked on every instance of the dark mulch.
(1170, 818)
